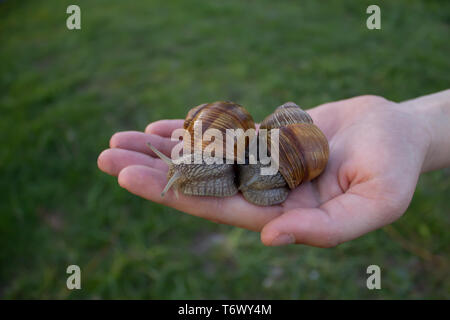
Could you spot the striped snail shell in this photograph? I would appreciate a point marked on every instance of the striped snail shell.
(220, 115)
(303, 155)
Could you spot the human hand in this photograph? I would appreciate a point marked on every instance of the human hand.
(377, 152)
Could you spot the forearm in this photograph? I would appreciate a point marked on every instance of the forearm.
(434, 112)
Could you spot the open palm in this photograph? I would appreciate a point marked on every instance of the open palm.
(376, 157)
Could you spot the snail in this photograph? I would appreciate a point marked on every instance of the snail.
(303, 155)
(207, 178)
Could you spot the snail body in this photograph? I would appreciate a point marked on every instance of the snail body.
(263, 190)
(303, 156)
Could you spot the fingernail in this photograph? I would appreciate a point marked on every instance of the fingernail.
(283, 239)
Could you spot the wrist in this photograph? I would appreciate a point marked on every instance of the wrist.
(431, 113)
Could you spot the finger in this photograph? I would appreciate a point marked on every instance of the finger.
(341, 219)
(164, 128)
(149, 183)
(112, 161)
(137, 141)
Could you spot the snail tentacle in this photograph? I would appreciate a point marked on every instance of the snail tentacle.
(173, 179)
(161, 155)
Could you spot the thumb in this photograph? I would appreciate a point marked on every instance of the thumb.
(310, 226)
(343, 218)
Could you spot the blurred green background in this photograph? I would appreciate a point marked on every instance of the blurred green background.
(64, 93)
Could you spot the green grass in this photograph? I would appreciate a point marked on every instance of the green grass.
(64, 93)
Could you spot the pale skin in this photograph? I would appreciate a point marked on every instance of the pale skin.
(378, 149)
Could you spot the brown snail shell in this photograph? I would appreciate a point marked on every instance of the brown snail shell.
(287, 113)
(203, 179)
(220, 115)
(303, 155)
